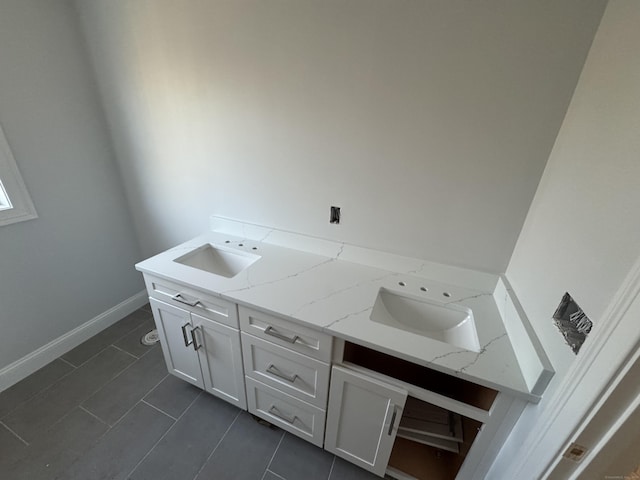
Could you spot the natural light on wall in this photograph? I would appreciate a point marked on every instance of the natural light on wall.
(15, 202)
(5, 203)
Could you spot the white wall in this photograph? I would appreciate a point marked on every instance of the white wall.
(582, 233)
(428, 122)
(76, 260)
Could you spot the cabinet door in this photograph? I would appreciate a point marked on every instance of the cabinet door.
(220, 356)
(174, 328)
(362, 419)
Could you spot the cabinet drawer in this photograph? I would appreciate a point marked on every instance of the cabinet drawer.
(192, 300)
(285, 411)
(288, 334)
(286, 370)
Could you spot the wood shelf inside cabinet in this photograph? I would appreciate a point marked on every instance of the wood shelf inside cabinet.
(426, 419)
(422, 461)
(425, 461)
(437, 442)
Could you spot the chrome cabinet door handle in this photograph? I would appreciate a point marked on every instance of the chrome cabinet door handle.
(276, 371)
(178, 297)
(393, 420)
(274, 411)
(184, 335)
(274, 333)
(194, 342)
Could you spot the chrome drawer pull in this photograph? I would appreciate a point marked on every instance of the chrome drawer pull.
(274, 333)
(276, 371)
(274, 411)
(184, 335)
(178, 297)
(196, 347)
(393, 420)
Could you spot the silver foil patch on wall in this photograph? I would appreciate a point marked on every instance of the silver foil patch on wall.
(572, 322)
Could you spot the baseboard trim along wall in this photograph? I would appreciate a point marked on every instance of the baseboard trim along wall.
(37, 359)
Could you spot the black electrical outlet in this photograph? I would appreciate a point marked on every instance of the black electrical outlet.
(335, 215)
(572, 322)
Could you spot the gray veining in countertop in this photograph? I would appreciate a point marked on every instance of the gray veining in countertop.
(328, 292)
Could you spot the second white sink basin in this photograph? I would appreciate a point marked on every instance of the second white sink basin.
(218, 260)
(448, 323)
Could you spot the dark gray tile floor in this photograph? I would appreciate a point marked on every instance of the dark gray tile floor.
(108, 410)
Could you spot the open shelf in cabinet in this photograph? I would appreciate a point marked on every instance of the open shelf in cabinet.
(425, 378)
(431, 425)
(441, 417)
(418, 460)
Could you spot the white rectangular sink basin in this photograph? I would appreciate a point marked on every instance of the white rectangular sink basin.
(448, 323)
(218, 260)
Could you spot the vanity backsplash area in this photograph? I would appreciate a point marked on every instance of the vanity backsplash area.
(401, 366)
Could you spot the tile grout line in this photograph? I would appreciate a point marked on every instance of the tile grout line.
(75, 367)
(110, 427)
(163, 435)
(67, 414)
(156, 386)
(15, 434)
(107, 383)
(26, 400)
(93, 415)
(333, 463)
(67, 362)
(129, 332)
(81, 407)
(124, 351)
(274, 455)
(118, 375)
(159, 410)
(57, 381)
(64, 415)
(274, 474)
(67, 375)
(139, 327)
(91, 394)
(150, 348)
(95, 354)
(134, 405)
(107, 346)
(217, 445)
(88, 359)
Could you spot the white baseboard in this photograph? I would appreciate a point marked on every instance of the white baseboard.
(28, 364)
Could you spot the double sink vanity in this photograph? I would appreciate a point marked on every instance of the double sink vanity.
(403, 367)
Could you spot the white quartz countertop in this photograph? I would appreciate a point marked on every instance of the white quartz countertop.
(337, 296)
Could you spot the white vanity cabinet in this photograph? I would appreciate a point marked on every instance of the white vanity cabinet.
(287, 373)
(361, 404)
(333, 376)
(197, 348)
